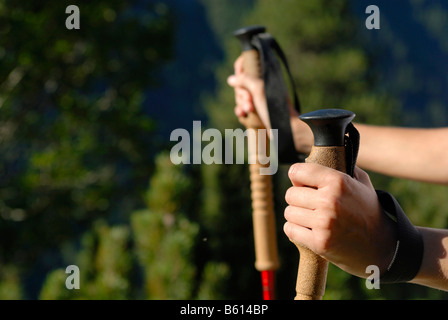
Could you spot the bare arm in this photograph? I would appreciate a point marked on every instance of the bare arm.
(418, 154)
(434, 269)
(411, 153)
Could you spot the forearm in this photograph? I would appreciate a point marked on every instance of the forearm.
(434, 269)
(418, 154)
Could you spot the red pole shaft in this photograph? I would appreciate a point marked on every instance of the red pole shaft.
(266, 252)
(268, 283)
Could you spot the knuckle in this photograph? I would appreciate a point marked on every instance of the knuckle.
(291, 172)
(326, 221)
(338, 182)
(339, 185)
(338, 178)
(329, 203)
(325, 229)
(323, 243)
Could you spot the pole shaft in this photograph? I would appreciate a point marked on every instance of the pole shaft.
(312, 273)
(266, 252)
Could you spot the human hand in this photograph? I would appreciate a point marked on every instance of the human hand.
(339, 218)
(249, 93)
(250, 97)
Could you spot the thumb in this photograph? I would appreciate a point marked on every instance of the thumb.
(362, 176)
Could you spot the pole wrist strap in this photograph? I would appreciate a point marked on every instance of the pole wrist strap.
(276, 90)
(409, 250)
(351, 144)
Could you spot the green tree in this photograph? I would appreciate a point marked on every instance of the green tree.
(104, 262)
(155, 257)
(10, 287)
(74, 138)
(168, 241)
(164, 237)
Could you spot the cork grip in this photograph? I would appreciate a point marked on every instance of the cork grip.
(266, 253)
(312, 273)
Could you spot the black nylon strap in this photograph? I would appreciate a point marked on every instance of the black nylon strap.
(409, 252)
(351, 148)
(277, 95)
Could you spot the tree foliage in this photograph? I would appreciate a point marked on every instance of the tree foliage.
(74, 138)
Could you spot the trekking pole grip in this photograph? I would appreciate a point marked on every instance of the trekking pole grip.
(266, 254)
(328, 127)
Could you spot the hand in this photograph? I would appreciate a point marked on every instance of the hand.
(250, 96)
(339, 218)
(249, 92)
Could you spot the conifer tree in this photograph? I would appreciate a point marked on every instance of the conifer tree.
(74, 137)
(164, 237)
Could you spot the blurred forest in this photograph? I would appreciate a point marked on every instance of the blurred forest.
(85, 118)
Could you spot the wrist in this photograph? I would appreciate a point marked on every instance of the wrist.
(434, 269)
(389, 242)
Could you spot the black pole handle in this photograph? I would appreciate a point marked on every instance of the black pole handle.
(328, 126)
(245, 35)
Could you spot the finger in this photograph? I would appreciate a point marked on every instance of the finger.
(242, 96)
(298, 234)
(310, 174)
(300, 216)
(243, 101)
(239, 80)
(303, 197)
(238, 65)
(252, 84)
(232, 80)
(239, 111)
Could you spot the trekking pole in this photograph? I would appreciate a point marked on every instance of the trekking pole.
(266, 254)
(328, 127)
